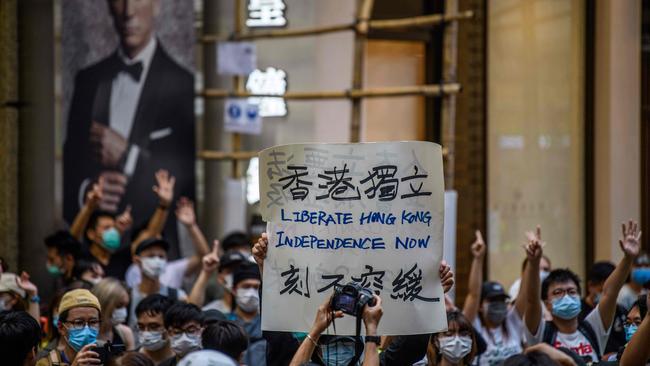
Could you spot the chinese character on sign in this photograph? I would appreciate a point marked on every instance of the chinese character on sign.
(273, 82)
(407, 286)
(266, 13)
(294, 283)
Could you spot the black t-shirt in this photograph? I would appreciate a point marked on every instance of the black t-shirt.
(118, 263)
(617, 336)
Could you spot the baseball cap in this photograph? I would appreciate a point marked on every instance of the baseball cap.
(152, 242)
(9, 283)
(78, 298)
(246, 271)
(231, 257)
(493, 290)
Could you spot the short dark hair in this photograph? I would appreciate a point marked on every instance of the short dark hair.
(642, 303)
(559, 276)
(182, 313)
(534, 358)
(600, 271)
(225, 336)
(236, 239)
(92, 222)
(153, 305)
(64, 243)
(19, 334)
(135, 358)
(83, 265)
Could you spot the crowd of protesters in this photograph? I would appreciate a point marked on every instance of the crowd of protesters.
(120, 301)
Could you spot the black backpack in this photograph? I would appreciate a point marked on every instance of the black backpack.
(550, 334)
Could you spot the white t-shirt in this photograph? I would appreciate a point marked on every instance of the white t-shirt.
(500, 347)
(172, 275)
(576, 341)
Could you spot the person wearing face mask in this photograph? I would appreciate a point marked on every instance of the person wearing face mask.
(152, 335)
(151, 257)
(246, 286)
(487, 309)
(79, 321)
(456, 346)
(633, 320)
(104, 245)
(63, 251)
(228, 263)
(18, 293)
(596, 278)
(19, 338)
(184, 325)
(561, 294)
(114, 300)
(88, 271)
(638, 283)
(637, 332)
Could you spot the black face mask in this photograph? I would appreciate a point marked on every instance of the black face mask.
(496, 312)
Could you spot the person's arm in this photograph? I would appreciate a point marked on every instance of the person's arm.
(533, 315)
(324, 317)
(165, 192)
(259, 251)
(186, 215)
(210, 264)
(630, 246)
(93, 198)
(637, 350)
(32, 291)
(473, 298)
(371, 316)
(124, 221)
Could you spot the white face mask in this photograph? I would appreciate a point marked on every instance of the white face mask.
(119, 316)
(152, 341)
(248, 299)
(455, 348)
(152, 267)
(183, 343)
(543, 275)
(228, 282)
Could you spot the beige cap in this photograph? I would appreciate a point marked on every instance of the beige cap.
(9, 283)
(77, 299)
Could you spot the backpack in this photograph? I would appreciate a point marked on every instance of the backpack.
(550, 334)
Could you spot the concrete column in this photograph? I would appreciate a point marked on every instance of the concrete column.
(9, 132)
(617, 122)
(36, 136)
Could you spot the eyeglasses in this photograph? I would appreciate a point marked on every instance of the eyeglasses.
(190, 331)
(151, 327)
(560, 292)
(81, 323)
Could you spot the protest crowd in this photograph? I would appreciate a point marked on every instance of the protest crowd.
(120, 301)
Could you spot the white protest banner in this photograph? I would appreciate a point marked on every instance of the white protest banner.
(371, 213)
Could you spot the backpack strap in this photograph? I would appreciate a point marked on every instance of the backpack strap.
(550, 333)
(172, 294)
(588, 331)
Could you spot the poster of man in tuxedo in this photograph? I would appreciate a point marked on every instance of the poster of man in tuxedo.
(128, 102)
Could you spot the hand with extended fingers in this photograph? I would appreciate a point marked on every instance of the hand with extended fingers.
(630, 242)
(185, 211)
(535, 244)
(211, 260)
(478, 247)
(165, 187)
(124, 221)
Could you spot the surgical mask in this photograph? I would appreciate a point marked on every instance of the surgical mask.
(55, 321)
(228, 282)
(152, 267)
(54, 270)
(339, 352)
(152, 341)
(183, 343)
(630, 329)
(496, 312)
(119, 316)
(111, 239)
(566, 307)
(455, 348)
(78, 338)
(543, 275)
(248, 299)
(641, 275)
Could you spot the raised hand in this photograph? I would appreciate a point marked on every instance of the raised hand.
(185, 211)
(124, 221)
(94, 196)
(211, 260)
(324, 317)
(478, 247)
(446, 276)
(372, 315)
(259, 251)
(108, 145)
(630, 243)
(24, 283)
(535, 244)
(112, 186)
(165, 187)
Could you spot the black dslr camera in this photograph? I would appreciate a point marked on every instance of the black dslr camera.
(351, 299)
(109, 351)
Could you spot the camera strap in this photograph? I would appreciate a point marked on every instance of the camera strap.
(358, 343)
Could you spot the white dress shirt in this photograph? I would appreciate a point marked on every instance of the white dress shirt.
(125, 95)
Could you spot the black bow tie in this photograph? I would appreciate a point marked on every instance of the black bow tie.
(135, 70)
